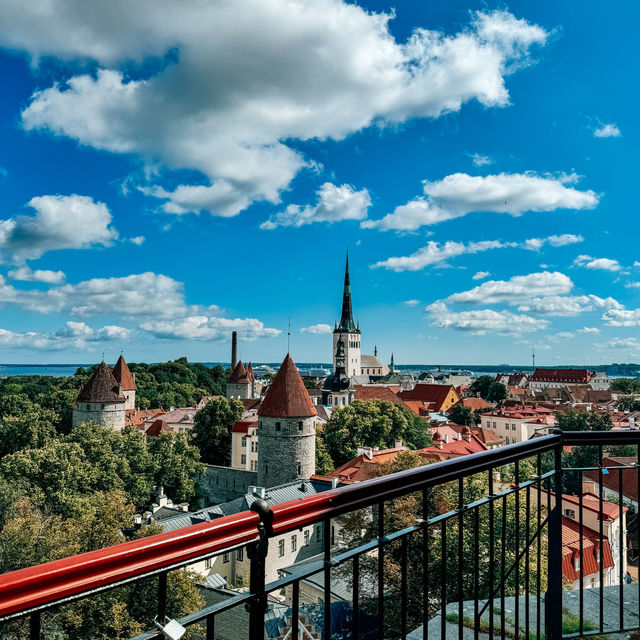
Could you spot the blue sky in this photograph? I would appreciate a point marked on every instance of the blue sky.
(173, 171)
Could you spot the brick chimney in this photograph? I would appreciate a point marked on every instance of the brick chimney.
(234, 350)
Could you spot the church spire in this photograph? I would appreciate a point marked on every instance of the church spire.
(391, 365)
(346, 319)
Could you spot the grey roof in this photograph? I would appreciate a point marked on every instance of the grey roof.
(214, 581)
(370, 361)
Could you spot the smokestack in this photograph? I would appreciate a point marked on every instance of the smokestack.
(234, 350)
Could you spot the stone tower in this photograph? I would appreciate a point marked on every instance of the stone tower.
(101, 400)
(239, 383)
(348, 331)
(127, 381)
(286, 430)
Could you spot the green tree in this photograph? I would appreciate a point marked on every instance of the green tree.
(628, 403)
(30, 429)
(481, 385)
(626, 385)
(212, 429)
(324, 464)
(374, 423)
(462, 415)
(496, 392)
(571, 419)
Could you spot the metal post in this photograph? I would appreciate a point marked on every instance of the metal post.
(257, 553)
(553, 597)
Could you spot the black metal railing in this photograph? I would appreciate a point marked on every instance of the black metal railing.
(473, 544)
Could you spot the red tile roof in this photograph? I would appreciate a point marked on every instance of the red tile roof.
(158, 427)
(102, 387)
(136, 417)
(287, 396)
(580, 376)
(363, 467)
(474, 403)
(123, 376)
(433, 393)
(243, 426)
(376, 392)
(239, 375)
(610, 480)
(452, 449)
(590, 546)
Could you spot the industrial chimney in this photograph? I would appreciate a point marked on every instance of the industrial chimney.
(234, 350)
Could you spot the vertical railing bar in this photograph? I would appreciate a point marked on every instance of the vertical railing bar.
(539, 550)
(581, 549)
(443, 581)
(527, 531)
(601, 537)
(355, 632)
(638, 523)
(492, 563)
(476, 572)
(517, 546)
(425, 565)
(503, 561)
(326, 543)
(621, 546)
(380, 571)
(34, 625)
(295, 610)
(460, 554)
(403, 588)
(553, 600)
(210, 619)
(162, 597)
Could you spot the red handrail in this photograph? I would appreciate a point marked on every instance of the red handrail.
(29, 588)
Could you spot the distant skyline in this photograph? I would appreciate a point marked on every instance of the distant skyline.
(174, 171)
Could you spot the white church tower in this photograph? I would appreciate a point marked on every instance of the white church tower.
(348, 331)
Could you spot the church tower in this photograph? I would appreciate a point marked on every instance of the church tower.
(286, 430)
(348, 331)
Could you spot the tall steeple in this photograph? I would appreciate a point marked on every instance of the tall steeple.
(392, 367)
(346, 319)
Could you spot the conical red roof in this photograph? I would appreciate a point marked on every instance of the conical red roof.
(123, 376)
(287, 396)
(250, 372)
(238, 375)
(102, 387)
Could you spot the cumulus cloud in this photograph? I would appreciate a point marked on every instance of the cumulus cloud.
(317, 329)
(481, 321)
(459, 194)
(226, 95)
(567, 305)
(629, 344)
(25, 274)
(138, 240)
(517, 288)
(333, 205)
(603, 264)
(59, 222)
(204, 327)
(412, 303)
(480, 160)
(622, 317)
(607, 131)
(436, 253)
(591, 330)
(480, 275)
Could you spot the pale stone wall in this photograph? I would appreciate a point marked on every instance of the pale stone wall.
(286, 450)
(352, 361)
(109, 415)
(242, 391)
(222, 484)
(130, 396)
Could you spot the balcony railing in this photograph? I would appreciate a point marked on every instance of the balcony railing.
(474, 543)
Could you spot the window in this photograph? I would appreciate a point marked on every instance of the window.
(102, 407)
(254, 465)
(243, 458)
(240, 555)
(513, 427)
(597, 555)
(254, 446)
(278, 426)
(306, 538)
(508, 440)
(494, 425)
(225, 558)
(300, 425)
(208, 562)
(576, 563)
(294, 542)
(266, 468)
(299, 468)
(569, 513)
(336, 401)
(244, 442)
(280, 548)
(319, 532)
(343, 400)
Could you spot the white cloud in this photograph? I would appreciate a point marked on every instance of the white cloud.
(204, 327)
(138, 240)
(592, 330)
(535, 244)
(517, 288)
(480, 160)
(622, 317)
(317, 329)
(629, 344)
(481, 321)
(435, 252)
(604, 264)
(607, 131)
(229, 93)
(567, 305)
(632, 285)
(412, 303)
(459, 194)
(480, 275)
(25, 274)
(60, 222)
(333, 205)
